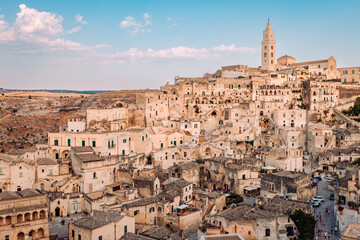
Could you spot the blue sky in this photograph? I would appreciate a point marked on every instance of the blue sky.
(113, 44)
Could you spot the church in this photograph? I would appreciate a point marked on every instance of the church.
(324, 69)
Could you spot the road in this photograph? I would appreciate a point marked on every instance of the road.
(327, 221)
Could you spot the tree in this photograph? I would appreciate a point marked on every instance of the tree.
(356, 162)
(305, 223)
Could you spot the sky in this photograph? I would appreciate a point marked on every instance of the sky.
(118, 44)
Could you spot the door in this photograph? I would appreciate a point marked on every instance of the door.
(57, 212)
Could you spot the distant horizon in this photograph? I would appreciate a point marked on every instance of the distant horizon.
(84, 46)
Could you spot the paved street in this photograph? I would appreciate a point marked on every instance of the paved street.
(327, 221)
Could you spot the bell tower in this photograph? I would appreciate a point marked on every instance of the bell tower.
(268, 50)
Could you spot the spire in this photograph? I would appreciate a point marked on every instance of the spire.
(268, 20)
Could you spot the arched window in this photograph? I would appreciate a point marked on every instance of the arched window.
(151, 210)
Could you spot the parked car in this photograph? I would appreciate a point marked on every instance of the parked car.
(315, 200)
(316, 204)
(332, 197)
(319, 178)
(329, 177)
(314, 180)
(318, 198)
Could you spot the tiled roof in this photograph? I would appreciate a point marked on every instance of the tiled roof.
(82, 149)
(98, 219)
(158, 232)
(30, 193)
(89, 157)
(142, 202)
(133, 236)
(246, 212)
(46, 161)
(180, 183)
(9, 195)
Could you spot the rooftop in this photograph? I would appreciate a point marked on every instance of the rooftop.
(89, 157)
(142, 202)
(98, 219)
(9, 195)
(82, 149)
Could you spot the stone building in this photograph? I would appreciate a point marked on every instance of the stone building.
(268, 220)
(24, 215)
(295, 186)
(101, 225)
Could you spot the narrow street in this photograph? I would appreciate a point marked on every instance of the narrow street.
(327, 221)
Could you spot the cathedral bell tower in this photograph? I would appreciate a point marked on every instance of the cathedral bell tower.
(268, 62)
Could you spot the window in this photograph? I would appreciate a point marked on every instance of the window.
(267, 232)
(123, 152)
(93, 143)
(83, 143)
(142, 138)
(100, 237)
(79, 237)
(94, 174)
(56, 142)
(243, 176)
(186, 198)
(161, 145)
(1, 171)
(137, 212)
(73, 233)
(50, 172)
(185, 125)
(189, 187)
(125, 229)
(151, 210)
(20, 174)
(124, 141)
(353, 71)
(69, 142)
(159, 209)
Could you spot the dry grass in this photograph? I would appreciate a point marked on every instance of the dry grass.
(42, 94)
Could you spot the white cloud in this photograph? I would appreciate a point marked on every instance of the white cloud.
(79, 19)
(135, 26)
(31, 21)
(129, 22)
(233, 49)
(74, 30)
(169, 18)
(3, 24)
(35, 32)
(182, 52)
(102, 46)
(147, 16)
(147, 19)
